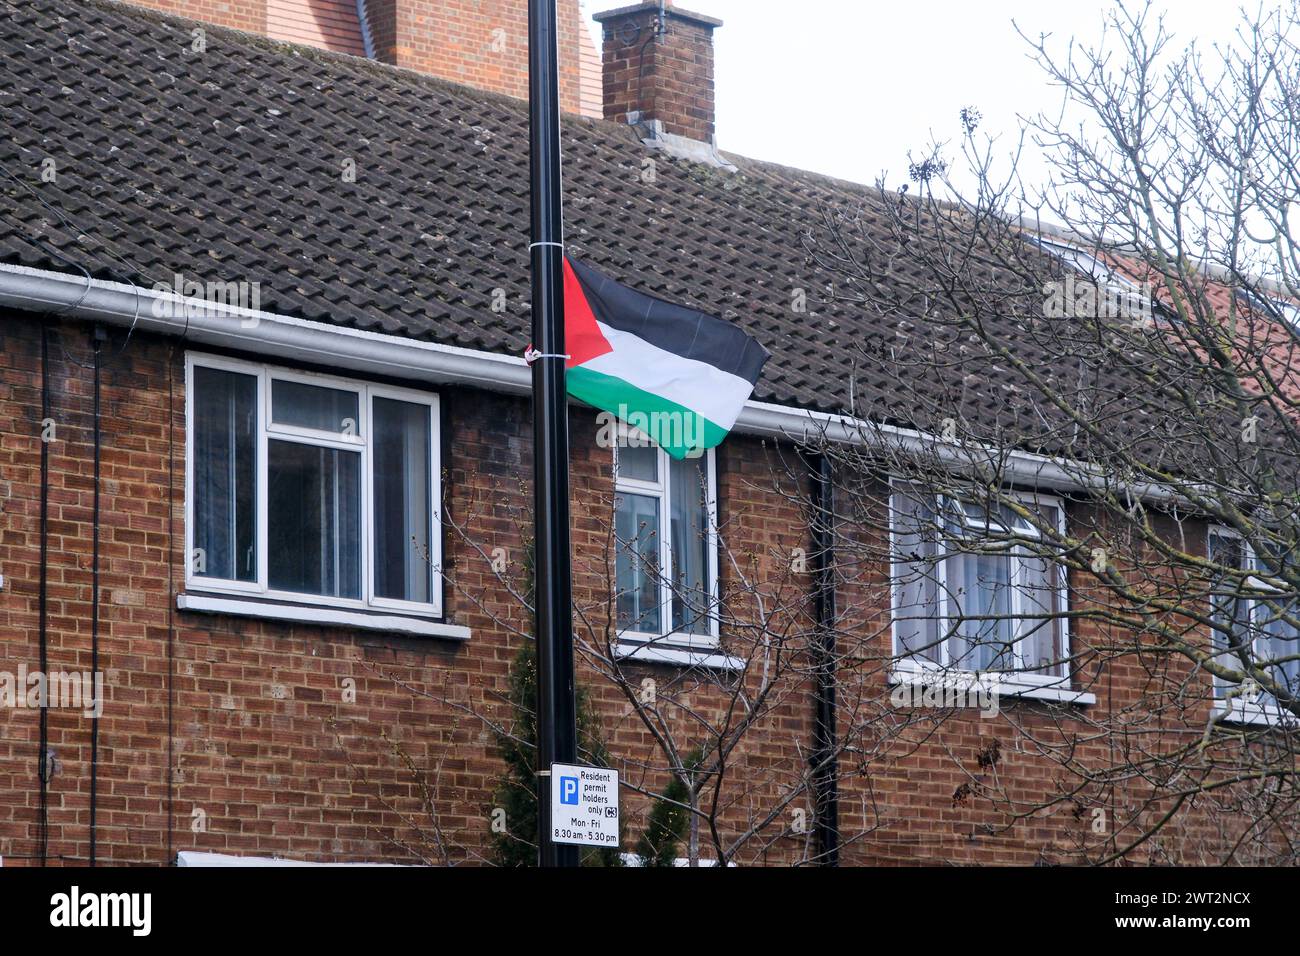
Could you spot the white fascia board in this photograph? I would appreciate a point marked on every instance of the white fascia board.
(260, 333)
(377, 353)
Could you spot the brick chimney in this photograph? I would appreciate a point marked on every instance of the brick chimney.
(658, 69)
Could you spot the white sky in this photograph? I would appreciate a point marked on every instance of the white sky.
(847, 87)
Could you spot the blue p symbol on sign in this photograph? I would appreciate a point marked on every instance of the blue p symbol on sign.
(569, 790)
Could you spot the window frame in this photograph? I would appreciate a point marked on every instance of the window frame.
(1239, 709)
(662, 490)
(906, 662)
(360, 444)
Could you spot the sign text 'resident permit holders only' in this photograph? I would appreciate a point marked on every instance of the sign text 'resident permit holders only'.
(584, 805)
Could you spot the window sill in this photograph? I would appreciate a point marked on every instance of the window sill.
(1049, 689)
(684, 656)
(306, 614)
(197, 858)
(1254, 715)
(632, 860)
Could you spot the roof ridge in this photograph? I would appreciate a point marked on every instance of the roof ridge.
(406, 74)
(334, 57)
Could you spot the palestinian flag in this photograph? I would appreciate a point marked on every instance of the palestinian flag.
(678, 375)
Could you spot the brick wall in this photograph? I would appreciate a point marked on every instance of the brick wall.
(328, 24)
(247, 15)
(235, 735)
(481, 43)
(265, 756)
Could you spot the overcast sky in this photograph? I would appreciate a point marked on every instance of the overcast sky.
(847, 87)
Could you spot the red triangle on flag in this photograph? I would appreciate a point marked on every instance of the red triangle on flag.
(583, 340)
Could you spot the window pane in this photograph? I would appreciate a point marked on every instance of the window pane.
(636, 527)
(314, 519)
(402, 469)
(224, 468)
(1230, 613)
(1279, 641)
(1042, 647)
(641, 464)
(980, 587)
(916, 608)
(974, 517)
(1276, 639)
(689, 514)
(312, 406)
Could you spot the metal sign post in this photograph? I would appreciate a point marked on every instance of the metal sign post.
(557, 735)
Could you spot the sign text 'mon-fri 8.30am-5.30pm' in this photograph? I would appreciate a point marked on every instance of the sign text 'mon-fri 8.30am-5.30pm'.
(584, 805)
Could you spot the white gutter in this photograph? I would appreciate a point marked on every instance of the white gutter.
(376, 353)
(261, 333)
(1018, 467)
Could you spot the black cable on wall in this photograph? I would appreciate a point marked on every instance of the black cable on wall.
(42, 758)
(171, 599)
(825, 763)
(98, 334)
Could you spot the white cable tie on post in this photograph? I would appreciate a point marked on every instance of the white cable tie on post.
(531, 355)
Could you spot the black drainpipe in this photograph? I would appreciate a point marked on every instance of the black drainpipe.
(825, 765)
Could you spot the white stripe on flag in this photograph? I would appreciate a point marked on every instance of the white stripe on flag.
(717, 395)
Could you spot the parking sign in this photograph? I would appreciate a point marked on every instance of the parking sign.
(584, 805)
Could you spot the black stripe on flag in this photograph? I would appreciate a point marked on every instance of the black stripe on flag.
(674, 328)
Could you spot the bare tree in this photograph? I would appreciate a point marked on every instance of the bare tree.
(728, 723)
(1084, 434)
(1063, 529)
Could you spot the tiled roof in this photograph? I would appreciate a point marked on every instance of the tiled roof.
(228, 165)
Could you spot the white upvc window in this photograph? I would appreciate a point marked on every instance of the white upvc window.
(970, 594)
(311, 489)
(665, 528)
(1258, 626)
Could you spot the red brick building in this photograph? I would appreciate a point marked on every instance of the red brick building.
(291, 527)
(482, 43)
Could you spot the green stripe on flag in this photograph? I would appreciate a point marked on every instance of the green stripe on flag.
(674, 428)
